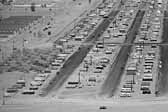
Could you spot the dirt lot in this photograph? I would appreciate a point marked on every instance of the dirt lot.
(10, 78)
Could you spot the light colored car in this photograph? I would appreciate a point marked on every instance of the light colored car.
(43, 75)
(7, 94)
(125, 95)
(27, 91)
(35, 83)
(37, 78)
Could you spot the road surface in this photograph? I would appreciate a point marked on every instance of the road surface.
(163, 83)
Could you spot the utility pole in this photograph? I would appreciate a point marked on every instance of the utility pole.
(3, 58)
(90, 1)
(79, 82)
(103, 1)
(133, 78)
(22, 50)
(24, 40)
(87, 67)
(3, 96)
(63, 46)
(91, 60)
(103, 42)
(13, 45)
(1, 53)
(121, 2)
(132, 86)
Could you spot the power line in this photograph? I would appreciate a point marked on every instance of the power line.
(120, 44)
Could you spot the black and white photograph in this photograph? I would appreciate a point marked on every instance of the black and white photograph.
(83, 55)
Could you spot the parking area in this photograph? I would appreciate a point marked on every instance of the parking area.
(142, 68)
(87, 79)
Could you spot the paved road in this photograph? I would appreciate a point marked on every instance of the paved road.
(56, 105)
(74, 61)
(163, 83)
(117, 68)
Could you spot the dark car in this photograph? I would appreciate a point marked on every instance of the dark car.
(102, 107)
(12, 90)
(146, 91)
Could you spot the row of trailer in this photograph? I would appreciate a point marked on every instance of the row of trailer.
(141, 71)
(120, 25)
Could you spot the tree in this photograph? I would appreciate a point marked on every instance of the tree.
(90, 1)
(0, 18)
(4, 1)
(32, 7)
(103, 1)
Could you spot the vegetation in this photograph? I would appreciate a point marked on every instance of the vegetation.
(27, 60)
(33, 7)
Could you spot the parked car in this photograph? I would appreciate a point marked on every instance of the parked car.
(125, 94)
(30, 92)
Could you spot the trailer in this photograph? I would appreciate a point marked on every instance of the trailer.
(147, 78)
(43, 75)
(30, 92)
(79, 38)
(125, 95)
(35, 83)
(33, 88)
(41, 79)
(21, 82)
(145, 85)
(72, 84)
